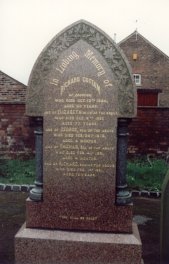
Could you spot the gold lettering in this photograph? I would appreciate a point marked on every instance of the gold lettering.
(92, 83)
(91, 57)
(66, 61)
(55, 82)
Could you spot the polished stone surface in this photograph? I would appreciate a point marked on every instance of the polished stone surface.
(68, 247)
(81, 84)
(45, 215)
(12, 216)
(84, 92)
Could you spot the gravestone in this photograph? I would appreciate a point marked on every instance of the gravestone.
(164, 241)
(81, 97)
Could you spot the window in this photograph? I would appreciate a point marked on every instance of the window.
(135, 56)
(137, 79)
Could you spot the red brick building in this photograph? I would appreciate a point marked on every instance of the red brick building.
(149, 132)
(15, 133)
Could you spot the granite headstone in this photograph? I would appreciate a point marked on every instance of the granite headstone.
(81, 97)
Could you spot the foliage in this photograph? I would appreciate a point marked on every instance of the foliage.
(143, 174)
(17, 171)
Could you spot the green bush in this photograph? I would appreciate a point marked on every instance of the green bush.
(142, 174)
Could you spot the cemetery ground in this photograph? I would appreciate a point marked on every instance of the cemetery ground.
(12, 216)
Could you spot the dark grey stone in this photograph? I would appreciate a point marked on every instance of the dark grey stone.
(2, 187)
(145, 193)
(16, 188)
(36, 193)
(136, 193)
(24, 188)
(8, 187)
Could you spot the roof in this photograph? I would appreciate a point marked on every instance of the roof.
(11, 90)
(6, 76)
(137, 34)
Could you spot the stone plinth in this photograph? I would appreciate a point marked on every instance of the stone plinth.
(40, 246)
(45, 215)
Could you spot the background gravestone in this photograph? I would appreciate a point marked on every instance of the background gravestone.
(80, 85)
(164, 229)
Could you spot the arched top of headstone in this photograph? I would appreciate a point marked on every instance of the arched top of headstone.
(99, 41)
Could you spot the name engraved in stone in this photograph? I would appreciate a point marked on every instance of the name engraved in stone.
(81, 139)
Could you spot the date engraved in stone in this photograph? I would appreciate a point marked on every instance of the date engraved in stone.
(77, 140)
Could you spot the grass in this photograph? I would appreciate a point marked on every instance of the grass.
(141, 174)
(17, 171)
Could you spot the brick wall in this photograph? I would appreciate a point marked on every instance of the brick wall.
(151, 63)
(11, 90)
(16, 133)
(149, 132)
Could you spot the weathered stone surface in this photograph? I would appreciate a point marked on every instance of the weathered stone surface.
(100, 42)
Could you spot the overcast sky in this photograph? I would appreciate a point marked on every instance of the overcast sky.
(26, 26)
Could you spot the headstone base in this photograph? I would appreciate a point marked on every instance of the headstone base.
(46, 215)
(39, 246)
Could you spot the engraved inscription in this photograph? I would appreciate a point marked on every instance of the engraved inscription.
(91, 57)
(80, 134)
(84, 33)
(66, 61)
(81, 218)
(80, 118)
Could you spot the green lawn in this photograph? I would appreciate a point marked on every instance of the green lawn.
(17, 171)
(142, 174)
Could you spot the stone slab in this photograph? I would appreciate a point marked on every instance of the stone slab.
(80, 138)
(38, 246)
(46, 215)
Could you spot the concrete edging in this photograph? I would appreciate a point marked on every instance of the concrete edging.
(15, 187)
(27, 188)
